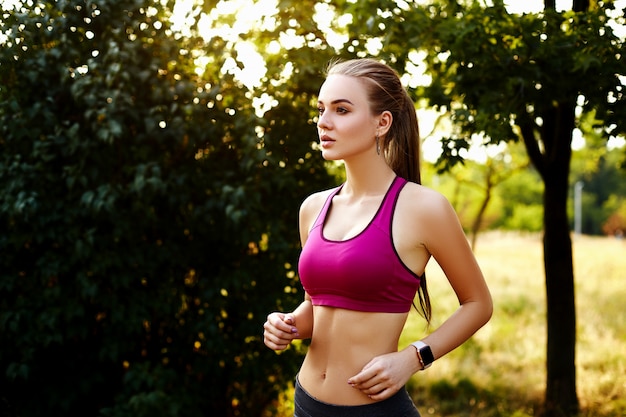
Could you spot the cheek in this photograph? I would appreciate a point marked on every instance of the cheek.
(360, 124)
(364, 129)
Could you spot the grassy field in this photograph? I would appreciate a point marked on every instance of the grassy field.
(501, 370)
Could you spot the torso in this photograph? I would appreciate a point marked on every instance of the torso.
(343, 341)
(341, 345)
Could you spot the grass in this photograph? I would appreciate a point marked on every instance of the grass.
(501, 370)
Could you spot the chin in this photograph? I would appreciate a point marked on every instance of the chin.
(328, 156)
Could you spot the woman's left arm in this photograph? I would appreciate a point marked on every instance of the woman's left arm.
(446, 242)
(435, 227)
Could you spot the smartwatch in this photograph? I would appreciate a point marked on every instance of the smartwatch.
(424, 354)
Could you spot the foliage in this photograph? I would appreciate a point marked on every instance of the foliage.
(604, 191)
(148, 208)
(148, 216)
(600, 171)
(615, 225)
(493, 70)
(508, 77)
(516, 203)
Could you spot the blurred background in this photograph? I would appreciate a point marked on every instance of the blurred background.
(153, 156)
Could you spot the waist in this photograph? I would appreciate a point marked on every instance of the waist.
(373, 331)
(342, 343)
(400, 404)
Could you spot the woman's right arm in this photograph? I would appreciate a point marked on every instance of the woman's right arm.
(282, 328)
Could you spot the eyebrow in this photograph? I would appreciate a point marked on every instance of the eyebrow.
(340, 100)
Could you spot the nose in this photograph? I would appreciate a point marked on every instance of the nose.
(323, 122)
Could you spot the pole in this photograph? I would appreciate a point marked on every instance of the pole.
(578, 215)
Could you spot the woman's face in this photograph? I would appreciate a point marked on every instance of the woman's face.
(346, 126)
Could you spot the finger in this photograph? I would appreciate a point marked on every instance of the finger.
(279, 323)
(366, 374)
(371, 387)
(275, 346)
(276, 338)
(289, 319)
(381, 395)
(274, 342)
(272, 338)
(276, 335)
(289, 333)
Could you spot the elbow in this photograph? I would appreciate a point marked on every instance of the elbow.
(487, 309)
(482, 310)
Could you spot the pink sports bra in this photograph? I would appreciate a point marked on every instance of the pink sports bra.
(363, 273)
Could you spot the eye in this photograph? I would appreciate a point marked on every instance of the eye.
(342, 110)
(320, 110)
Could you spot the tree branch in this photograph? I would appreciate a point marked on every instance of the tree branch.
(532, 146)
(580, 5)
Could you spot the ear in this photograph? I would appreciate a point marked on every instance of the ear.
(384, 123)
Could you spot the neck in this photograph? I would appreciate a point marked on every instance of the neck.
(371, 177)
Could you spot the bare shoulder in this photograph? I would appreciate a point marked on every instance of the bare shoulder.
(314, 202)
(424, 202)
(432, 220)
(309, 210)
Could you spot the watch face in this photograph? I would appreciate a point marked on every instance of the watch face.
(427, 355)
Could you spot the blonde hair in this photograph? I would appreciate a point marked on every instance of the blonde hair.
(401, 144)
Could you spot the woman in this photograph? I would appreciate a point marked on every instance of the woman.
(365, 247)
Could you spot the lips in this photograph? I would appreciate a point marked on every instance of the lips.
(326, 141)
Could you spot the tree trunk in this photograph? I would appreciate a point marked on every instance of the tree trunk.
(483, 207)
(560, 395)
(561, 398)
(553, 163)
(580, 5)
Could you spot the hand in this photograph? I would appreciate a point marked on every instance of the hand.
(280, 330)
(385, 375)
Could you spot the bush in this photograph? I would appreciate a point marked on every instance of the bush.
(146, 227)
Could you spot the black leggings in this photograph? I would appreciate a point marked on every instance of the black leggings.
(399, 405)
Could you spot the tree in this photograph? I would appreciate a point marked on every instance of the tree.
(147, 214)
(597, 167)
(516, 77)
(489, 176)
